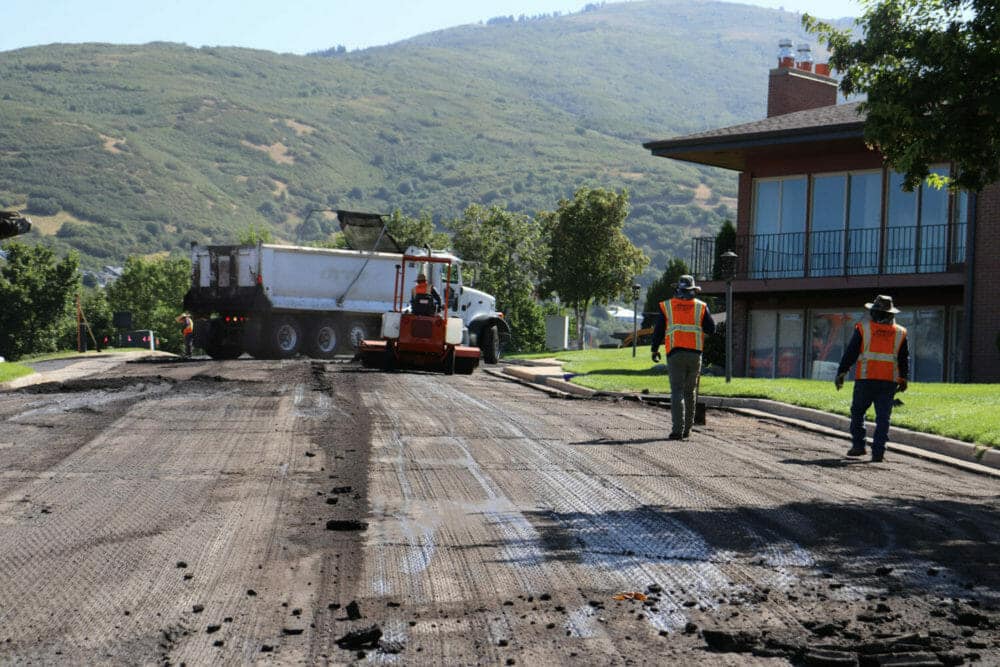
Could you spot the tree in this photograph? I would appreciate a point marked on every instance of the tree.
(415, 231)
(253, 235)
(510, 252)
(663, 287)
(153, 291)
(590, 258)
(36, 296)
(929, 69)
(725, 240)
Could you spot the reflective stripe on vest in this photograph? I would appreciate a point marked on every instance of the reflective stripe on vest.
(880, 345)
(683, 318)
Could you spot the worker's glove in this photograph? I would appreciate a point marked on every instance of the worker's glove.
(839, 381)
(900, 385)
(656, 356)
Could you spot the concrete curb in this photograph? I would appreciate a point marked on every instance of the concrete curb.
(935, 447)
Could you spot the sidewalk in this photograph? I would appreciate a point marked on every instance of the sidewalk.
(78, 367)
(549, 373)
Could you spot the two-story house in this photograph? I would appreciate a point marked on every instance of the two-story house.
(823, 225)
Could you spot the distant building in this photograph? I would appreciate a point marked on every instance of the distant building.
(823, 226)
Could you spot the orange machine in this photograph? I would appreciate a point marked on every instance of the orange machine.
(420, 335)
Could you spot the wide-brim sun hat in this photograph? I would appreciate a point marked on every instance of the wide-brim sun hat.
(686, 284)
(883, 304)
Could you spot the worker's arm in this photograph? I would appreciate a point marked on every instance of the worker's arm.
(708, 323)
(659, 330)
(848, 359)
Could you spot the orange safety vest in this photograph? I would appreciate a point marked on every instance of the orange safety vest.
(683, 317)
(188, 326)
(880, 345)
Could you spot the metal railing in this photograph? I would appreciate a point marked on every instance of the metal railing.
(847, 252)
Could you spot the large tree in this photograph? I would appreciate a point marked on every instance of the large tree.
(931, 73)
(510, 252)
(36, 295)
(153, 291)
(590, 258)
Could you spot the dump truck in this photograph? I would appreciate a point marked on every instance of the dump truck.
(277, 301)
(422, 333)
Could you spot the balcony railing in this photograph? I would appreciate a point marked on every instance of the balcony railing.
(850, 252)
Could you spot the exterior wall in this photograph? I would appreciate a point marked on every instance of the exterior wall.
(985, 348)
(791, 90)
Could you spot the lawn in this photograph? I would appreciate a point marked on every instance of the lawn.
(969, 412)
(12, 371)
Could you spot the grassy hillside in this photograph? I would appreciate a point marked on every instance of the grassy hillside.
(121, 150)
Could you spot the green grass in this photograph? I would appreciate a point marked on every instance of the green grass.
(969, 412)
(12, 371)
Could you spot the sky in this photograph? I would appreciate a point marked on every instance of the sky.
(291, 26)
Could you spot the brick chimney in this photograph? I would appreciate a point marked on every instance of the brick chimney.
(794, 86)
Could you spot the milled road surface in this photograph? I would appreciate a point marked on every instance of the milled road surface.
(254, 511)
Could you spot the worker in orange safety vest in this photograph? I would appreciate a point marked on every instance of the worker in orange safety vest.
(881, 357)
(681, 328)
(424, 287)
(187, 331)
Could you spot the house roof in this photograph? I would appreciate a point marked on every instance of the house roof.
(729, 147)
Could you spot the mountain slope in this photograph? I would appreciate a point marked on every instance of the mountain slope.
(141, 149)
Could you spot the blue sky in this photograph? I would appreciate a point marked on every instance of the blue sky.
(292, 26)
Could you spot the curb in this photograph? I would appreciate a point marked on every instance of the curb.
(925, 445)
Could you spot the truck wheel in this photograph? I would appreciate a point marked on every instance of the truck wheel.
(355, 332)
(323, 339)
(285, 336)
(489, 343)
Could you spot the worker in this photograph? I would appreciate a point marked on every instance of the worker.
(423, 287)
(879, 349)
(681, 328)
(187, 330)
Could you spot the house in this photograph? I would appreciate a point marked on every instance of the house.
(823, 225)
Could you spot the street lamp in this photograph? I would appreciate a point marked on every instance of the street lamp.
(635, 315)
(728, 265)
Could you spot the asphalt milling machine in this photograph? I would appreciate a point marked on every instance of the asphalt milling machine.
(420, 334)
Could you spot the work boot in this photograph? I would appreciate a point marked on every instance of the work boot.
(856, 451)
(686, 434)
(877, 457)
(675, 436)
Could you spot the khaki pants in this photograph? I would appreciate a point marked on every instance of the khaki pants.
(684, 367)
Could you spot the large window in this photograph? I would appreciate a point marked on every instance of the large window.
(925, 340)
(779, 222)
(917, 234)
(829, 333)
(776, 343)
(864, 223)
(829, 219)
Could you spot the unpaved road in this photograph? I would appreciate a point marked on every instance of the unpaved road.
(209, 512)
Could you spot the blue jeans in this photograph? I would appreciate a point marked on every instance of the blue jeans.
(867, 392)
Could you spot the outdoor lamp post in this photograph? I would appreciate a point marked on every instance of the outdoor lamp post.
(635, 315)
(728, 262)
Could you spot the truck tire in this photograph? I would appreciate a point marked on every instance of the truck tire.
(324, 337)
(285, 336)
(355, 332)
(489, 343)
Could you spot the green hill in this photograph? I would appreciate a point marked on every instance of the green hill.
(120, 150)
